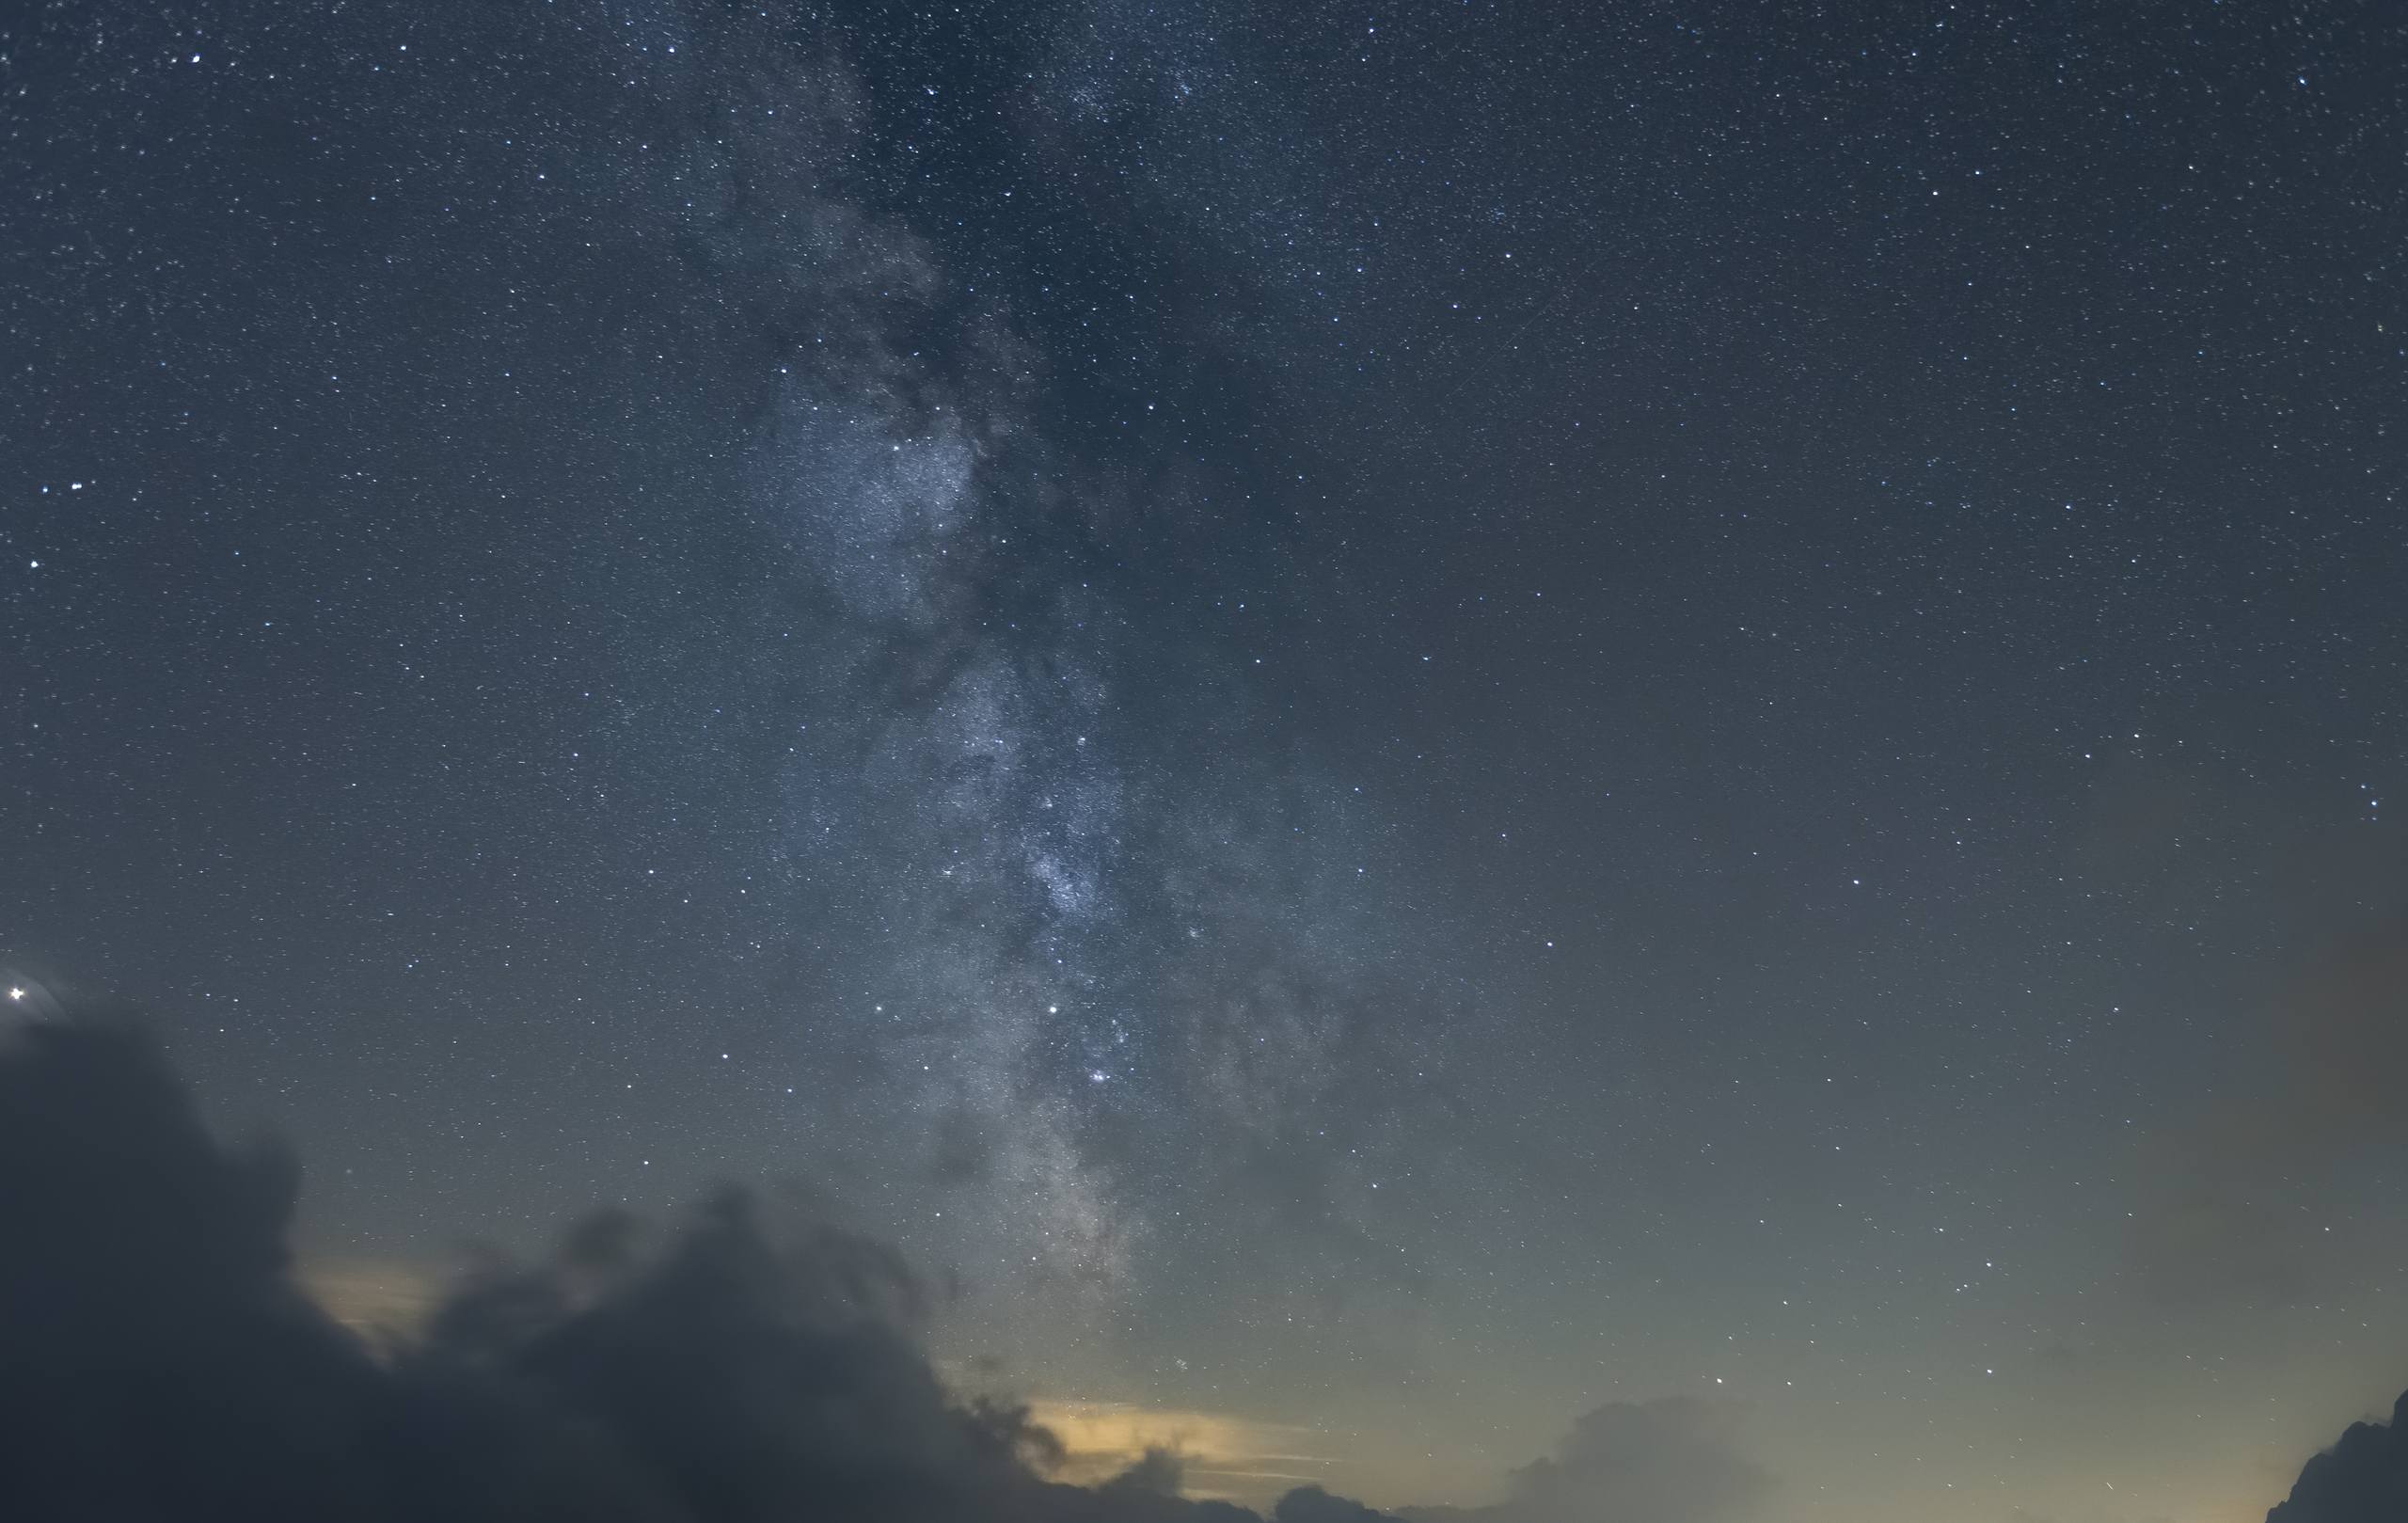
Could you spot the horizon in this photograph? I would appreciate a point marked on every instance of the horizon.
(148, 1291)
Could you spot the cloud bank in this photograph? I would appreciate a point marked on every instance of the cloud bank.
(158, 1358)
(161, 1359)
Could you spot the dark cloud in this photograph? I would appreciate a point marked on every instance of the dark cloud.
(2228, 1205)
(1311, 1504)
(1674, 1460)
(158, 1359)
(2362, 1479)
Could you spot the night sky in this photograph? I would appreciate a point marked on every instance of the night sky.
(1385, 725)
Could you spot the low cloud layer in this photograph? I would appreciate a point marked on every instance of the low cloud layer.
(160, 1359)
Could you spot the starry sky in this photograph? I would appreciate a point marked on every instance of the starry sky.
(1390, 725)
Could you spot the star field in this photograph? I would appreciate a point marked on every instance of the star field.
(1388, 724)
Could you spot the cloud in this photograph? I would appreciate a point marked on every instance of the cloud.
(1311, 1504)
(1674, 1460)
(159, 1358)
(2362, 1479)
(2227, 1204)
(162, 1358)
